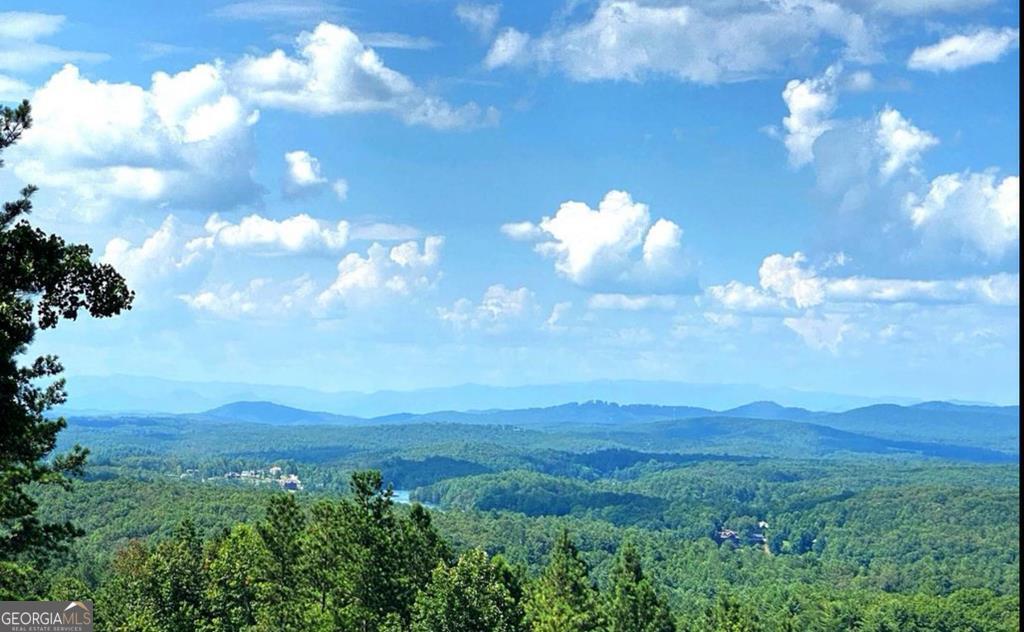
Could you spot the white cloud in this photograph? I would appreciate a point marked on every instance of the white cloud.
(789, 283)
(739, 297)
(998, 289)
(480, 18)
(631, 303)
(810, 104)
(506, 49)
(963, 51)
(185, 140)
(19, 49)
(400, 41)
(335, 72)
(613, 246)
(496, 310)
(159, 254)
(824, 333)
(259, 298)
(303, 169)
(787, 278)
(901, 142)
(303, 175)
(624, 39)
(522, 231)
(396, 271)
(976, 209)
(297, 234)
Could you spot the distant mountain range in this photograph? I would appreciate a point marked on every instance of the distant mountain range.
(938, 429)
(125, 393)
(989, 427)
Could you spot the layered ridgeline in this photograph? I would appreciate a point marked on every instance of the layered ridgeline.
(935, 428)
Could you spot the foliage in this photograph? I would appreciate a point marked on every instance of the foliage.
(42, 280)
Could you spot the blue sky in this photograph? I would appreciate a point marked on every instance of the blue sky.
(396, 195)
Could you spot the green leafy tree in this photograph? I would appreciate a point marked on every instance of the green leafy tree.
(125, 602)
(179, 580)
(632, 604)
(564, 599)
(236, 583)
(477, 594)
(42, 280)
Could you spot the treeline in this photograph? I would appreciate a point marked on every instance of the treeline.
(364, 563)
(358, 563)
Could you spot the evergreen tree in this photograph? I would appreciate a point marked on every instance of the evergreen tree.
(281, 533)
(42, 280)
(564, 599)
(477, 594)
(632, 604)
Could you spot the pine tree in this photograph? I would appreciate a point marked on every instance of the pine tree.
(280, 533)
(632, 604)
(42, 280)
(564, 599)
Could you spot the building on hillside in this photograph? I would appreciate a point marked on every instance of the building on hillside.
(275, 471)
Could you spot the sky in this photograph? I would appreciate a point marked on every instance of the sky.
(394, 195)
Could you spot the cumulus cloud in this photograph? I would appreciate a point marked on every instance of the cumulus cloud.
(975, 209)
(157, 255)
(297, 234)
(398, 270)
(790, 283)
(499, 307)
(615, 246)
(872, 171)
(896, 143)
(20, 49)
(998, 289)
(259, 298)
(334, 72)
(740, 297)
(822, 333)
(788, 278)
(627, 40)
(303, 169)
(810, 102)
(522, 231)
(480, 18)
(901, 142)
(965, 50)
(185, 140)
